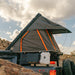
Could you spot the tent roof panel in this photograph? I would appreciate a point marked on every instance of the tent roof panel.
(43, 23)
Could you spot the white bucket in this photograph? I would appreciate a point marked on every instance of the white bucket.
(45, 58)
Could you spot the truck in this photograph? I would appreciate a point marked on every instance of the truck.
(35, 48)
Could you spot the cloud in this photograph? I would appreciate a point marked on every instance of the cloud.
(66, 50)
(73, 26)
(58, 35)
(9, 33)
(73, 43)
(24, 10)
(9, 27)
(15, 10)
(54, 8)
(60, 45)
(2, 38)
(15, 33)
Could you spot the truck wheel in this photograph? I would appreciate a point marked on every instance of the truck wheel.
(73, 67)
(67, 67)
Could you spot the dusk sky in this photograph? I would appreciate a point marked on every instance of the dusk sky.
(16, 14)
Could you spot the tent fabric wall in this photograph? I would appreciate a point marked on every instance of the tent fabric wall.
(32, 42)
(16, 46)
(48, 41)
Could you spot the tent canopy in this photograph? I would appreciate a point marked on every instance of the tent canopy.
(43, 23)
(39, 28)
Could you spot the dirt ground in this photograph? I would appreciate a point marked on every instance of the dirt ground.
(8, 68)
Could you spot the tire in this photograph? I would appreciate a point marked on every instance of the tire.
(73, 70)
(67, 67)
(73, 67)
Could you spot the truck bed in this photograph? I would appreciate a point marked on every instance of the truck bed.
(24, 59)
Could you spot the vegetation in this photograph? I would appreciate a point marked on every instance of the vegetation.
(3, 44)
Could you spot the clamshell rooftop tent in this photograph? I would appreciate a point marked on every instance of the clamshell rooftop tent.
(38, 36)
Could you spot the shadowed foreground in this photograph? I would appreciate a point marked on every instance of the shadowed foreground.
(8, 68)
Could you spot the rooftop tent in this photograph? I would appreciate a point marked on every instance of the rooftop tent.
(38, 36)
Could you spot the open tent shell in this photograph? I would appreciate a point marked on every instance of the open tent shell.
(38, 36)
